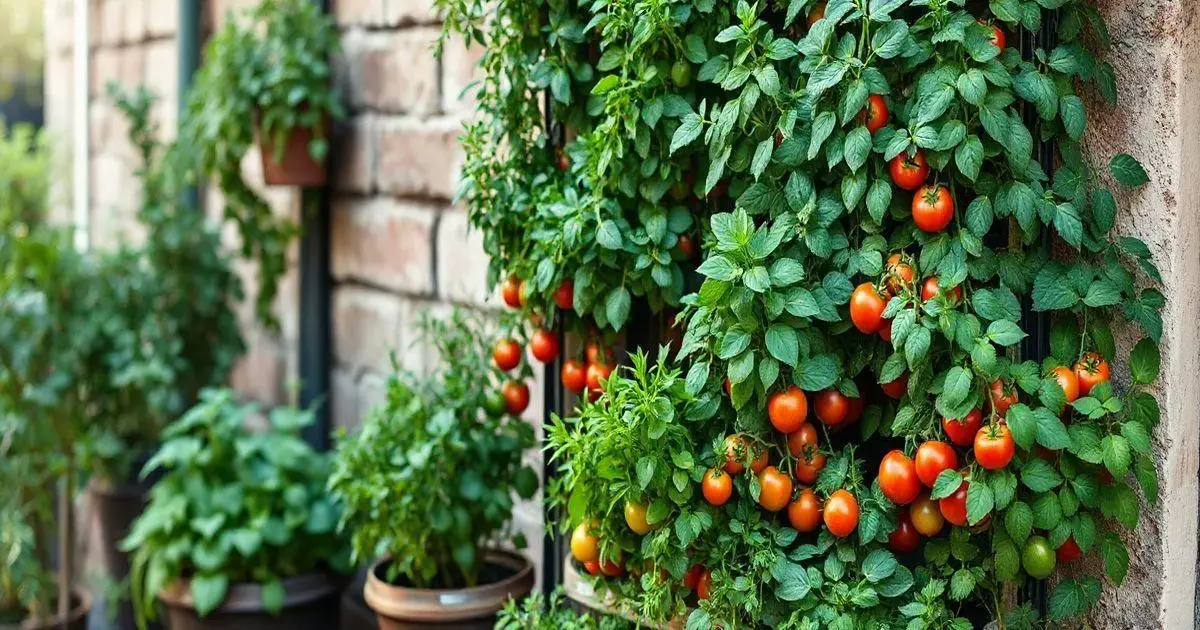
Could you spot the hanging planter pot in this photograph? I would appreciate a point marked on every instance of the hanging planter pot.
(77, 619)
(295, 165)
(401, 607)
(310, 603)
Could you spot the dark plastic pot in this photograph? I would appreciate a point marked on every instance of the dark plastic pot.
(297, 168)
(116, 508)
(77, 619)
(406, 608)
(310, 603)
(356, 615)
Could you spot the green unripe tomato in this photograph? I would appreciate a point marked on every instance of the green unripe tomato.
(1038, 557)
(493, 403)
(681, 73)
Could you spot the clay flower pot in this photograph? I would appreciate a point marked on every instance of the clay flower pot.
(310, 603)
(77, 619)
(404, 608)
(297, 167)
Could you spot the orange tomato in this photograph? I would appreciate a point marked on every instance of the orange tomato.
(788, 410)
(717, 486)
(775, 489)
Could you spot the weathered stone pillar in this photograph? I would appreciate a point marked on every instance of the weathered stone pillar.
(1156, 54)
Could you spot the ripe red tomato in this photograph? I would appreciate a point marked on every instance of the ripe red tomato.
(932, 458)
(895, 389)
(803, 441)
(592, 567)
(932, 208)
(994, 446)
(954, 507)
(788, 410)
(804, 514)
(507, 354)
(544, 345)
(904, 539)
(612, 568)
(1003, 395)
(997, 36)
(930, 289)
(809, 467)
(737, 448)
(907, 172)
(596, 353)
(875, 115)
(899, 272)
(775, 489)
(684, 249)
(866, 308)
(573, 375)
(717, 486)
(856, 407)
(831, 406)
(898, 478)
(595, 374)
(841, 513)
(564, 295)
(885, 331)
(692, 577)
(926, 518)
(510, 290)
(704, 585)
(1091, 370)
(1067, 381)
(1068, 551)
(516, 397)
(817, 13)
(962, 432)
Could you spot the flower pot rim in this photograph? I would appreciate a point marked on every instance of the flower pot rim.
(78, 613)
(458, 604)
(246, 597)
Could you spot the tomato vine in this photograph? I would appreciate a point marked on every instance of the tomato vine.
(882, 192)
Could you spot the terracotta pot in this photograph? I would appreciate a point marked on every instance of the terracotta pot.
(77, 619)
(310, 603)
(404, 608)
(116, 507)
(297, 168)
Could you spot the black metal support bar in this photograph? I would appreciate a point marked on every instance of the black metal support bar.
(188, 59)
(315, 317)
(552, 403)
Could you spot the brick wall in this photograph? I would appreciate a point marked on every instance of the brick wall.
(399, 244)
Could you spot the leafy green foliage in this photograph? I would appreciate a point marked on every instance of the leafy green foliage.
(429, 478)
(268, 72)
(233, 506)
(537, 612)
(787, 184)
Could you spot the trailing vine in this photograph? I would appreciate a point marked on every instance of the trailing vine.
(887, 198)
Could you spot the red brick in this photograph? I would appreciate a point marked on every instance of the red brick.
(356, 158)
(112, 17)
(262, 372)
(359, 12)
(393, 71)
(460, 66)
(105, 67)
(162, 18)
(366, 327)
(462, 264)
(385, 243)
(419, 157)
(133, 27)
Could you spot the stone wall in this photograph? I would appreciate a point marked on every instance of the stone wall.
(399, 244)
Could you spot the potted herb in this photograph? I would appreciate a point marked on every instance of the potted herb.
(166, 327)
(268, 75)
(428, 485)
(44, 287)
(239, 531)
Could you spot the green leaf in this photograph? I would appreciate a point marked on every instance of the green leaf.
(1039, 476)
(1074, 115)
(969, 157)
(1116, 557)
(1145, 361)
(879, 196)
(609, 235)
(1072, 598)
(818, 373)
(1115, 450)
(1018, 521)
(857, 147)
(792, 578)
(208, 591)
(783, 344)
(689, 129)
(879, 565)
(273, 595)
(980, 502)
(1128, 171)
(946, 484)
(617, 306)
(1005, 333)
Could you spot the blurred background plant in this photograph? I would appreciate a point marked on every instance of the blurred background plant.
(21, 59)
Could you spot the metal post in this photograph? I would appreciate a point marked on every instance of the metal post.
(188, 59)
(315, 289)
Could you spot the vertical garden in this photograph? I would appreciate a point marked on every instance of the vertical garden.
(897, 301)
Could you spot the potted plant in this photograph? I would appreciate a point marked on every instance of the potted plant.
(269, 75)
(538, 612)
(428, 485)
(166, 328)
(239, 530)
(44, 287)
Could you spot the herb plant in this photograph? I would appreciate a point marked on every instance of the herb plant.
(269, 71)
(233, 506)
(887, 200)
(429, 478)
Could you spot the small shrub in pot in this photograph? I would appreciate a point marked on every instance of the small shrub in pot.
(240, 527)
(428, 483)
